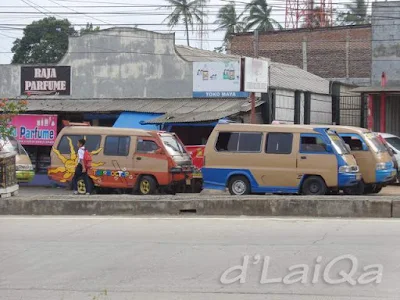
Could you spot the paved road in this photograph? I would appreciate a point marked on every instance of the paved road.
(387, 191)
(79, 258)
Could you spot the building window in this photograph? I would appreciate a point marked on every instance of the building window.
(117, 146)
(312, 144)
(146, 146)
(279, 143)
(239, 142)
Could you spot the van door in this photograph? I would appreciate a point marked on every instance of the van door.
(276, 170)
(314, 159)
(150, 158)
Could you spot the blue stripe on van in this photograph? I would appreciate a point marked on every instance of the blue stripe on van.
(217, 179)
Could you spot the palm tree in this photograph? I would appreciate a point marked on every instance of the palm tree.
(229, 20)
(188, 11)
(260, 16)
(357, 13)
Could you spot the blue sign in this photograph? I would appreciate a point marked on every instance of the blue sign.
(221, 94)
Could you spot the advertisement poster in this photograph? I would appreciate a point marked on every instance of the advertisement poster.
(256, 77)
(216, 79)
(46, 80)
(36, 130)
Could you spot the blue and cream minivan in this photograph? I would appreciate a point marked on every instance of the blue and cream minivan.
(290, 159)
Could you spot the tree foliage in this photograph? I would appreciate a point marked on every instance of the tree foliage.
(229, 20)
(9, 109)
(357, 14)
(260, 16)
(188, 11)
(45, 41)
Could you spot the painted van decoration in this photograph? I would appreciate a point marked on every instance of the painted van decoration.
(143, 161)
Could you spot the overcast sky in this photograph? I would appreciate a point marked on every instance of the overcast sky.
(17, 13)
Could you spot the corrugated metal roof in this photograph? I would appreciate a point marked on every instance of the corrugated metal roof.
(207, 116)
(282, 76)
(179, 106)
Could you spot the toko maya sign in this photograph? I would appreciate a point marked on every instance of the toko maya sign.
(40, 80)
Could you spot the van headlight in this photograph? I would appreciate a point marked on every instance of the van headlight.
(24, 167)
(349, 169)
(384, 166)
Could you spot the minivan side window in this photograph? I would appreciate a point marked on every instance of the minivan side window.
(92, 143)
(279, 143)
(239, 142)
(64, 146)
(354, 142)
(117, 145)
(312, 144)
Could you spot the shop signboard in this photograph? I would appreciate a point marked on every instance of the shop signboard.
(217, 80)
(35, 130)
(47, 80)
(256, 77)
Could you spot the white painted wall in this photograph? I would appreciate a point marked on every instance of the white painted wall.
(321, 109)
(284, 101)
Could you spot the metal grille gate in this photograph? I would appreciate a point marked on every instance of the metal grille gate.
(350, 110)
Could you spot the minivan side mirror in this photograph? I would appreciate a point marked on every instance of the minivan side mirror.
(159, 151)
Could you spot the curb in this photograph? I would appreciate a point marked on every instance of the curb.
(325, 206)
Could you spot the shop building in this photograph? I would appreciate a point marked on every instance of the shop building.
(384, 92)
(127, 77)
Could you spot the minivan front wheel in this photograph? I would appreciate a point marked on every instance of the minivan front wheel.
(147, 185)
(314, 185)
(239, 185)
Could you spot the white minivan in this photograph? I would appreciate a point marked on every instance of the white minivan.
(393, 142)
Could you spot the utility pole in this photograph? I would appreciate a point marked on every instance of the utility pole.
(252, 94)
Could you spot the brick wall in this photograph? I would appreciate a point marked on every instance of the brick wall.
(339, 52)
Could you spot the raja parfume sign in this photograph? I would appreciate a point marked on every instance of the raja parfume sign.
(46, 80)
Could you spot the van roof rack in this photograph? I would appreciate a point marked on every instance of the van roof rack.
(68, 123)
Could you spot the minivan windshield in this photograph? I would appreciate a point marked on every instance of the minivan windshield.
(375, 143)
(338, 143)
(174, 147)
(395, 142)
(13, 145)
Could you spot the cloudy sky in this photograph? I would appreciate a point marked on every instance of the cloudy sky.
(147, 14)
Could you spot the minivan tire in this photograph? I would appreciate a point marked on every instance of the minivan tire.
(314, 185)
(147, 185)
(238, 186)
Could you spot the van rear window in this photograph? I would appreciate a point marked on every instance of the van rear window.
(239, 142)
(92, 143)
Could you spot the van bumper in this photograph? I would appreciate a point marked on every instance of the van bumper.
(383, 176)
(348, 179)
(25, 176)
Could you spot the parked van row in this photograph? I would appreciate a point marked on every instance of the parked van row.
(300, 159)
(242, 158)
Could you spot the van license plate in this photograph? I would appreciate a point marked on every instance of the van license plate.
(188, 182)
(358, 176)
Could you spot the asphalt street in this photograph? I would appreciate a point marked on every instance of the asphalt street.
(74, 258)
(29, 191)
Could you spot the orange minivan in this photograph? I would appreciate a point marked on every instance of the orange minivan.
(143, 161)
